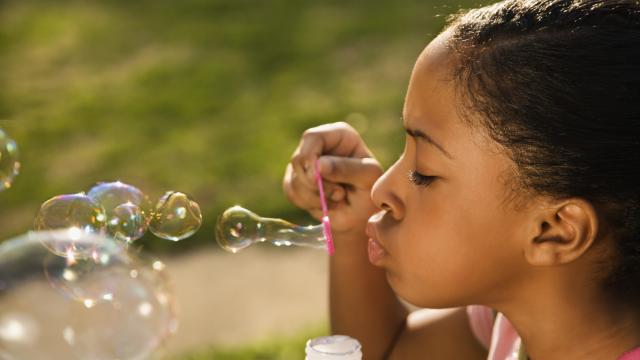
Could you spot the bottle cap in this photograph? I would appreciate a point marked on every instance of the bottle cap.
(336, 347)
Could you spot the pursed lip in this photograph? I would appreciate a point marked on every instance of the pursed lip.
(377, 251)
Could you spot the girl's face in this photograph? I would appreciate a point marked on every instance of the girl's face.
(449, 240)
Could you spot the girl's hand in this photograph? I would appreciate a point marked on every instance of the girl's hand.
(348, 169)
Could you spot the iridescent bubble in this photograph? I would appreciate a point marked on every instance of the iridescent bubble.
(238, 228)
(90, 279)
(75, 211)
(67, 320)
(127, 208)
(9, 164)
(176, 217)
(127, 222)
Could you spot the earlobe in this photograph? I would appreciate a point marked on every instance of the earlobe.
(565, 231)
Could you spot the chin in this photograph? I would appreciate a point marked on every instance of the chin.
(423, 299)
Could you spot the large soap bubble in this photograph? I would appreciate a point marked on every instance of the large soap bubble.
(176, 217)
(112, 305)
(9, 164)
(128, 209)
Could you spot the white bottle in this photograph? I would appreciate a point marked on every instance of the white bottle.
(336, 347)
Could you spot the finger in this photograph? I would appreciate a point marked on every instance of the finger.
(361, 173)
(316, 213)
(292, 186)
(309, 199)
(338, 139)
(301, 196)
(300, 178)
(303, 167)
(334, 192)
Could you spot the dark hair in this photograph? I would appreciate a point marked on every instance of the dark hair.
(557, 83)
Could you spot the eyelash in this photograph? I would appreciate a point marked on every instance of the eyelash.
(419, 179)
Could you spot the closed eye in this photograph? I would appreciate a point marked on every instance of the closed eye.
(419, 179)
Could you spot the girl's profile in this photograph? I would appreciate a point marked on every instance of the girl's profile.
(516, 200)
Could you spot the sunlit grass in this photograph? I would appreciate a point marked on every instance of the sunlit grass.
(204, 97)
(278, 348)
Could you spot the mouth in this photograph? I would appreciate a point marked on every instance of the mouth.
(376, 250)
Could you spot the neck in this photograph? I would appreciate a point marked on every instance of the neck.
(567, 321)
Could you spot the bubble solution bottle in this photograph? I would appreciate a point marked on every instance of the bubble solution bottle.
(336, 347)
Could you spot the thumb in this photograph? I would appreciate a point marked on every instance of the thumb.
(359, 172)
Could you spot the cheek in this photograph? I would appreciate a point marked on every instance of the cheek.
(457, 251)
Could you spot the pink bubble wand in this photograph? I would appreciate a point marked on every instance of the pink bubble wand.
(326, 224)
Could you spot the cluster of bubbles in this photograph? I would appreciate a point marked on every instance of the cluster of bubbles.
(238, 228)
(101, 301)
(9, 164)
(123, 212)
(74, 289)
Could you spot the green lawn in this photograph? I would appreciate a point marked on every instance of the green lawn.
(205, 97)
(291, 348)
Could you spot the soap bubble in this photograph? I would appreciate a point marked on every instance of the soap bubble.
(127, 222)
(128, 209)
(115, 306)
(71, 210)
(75, 211)
(9, 164)
(89, 279)
(176, 217)
(238, 228)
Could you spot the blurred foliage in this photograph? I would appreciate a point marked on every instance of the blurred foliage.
(279, 348)
(205, 97)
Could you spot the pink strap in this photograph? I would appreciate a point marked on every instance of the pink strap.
(501, 338)
(326, 224)
(631, 355)
(481, 320)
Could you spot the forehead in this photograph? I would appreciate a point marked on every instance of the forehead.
(431, 103)
(437, 56)
(431, 82)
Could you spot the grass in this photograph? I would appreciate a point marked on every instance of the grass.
(279, 348)
(204, 97)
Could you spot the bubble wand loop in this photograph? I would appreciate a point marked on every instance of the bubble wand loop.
(326, 224)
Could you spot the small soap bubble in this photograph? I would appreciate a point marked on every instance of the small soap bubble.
(9, 164)
(78, 213)
(176, 217)
(128, 209)
(51, 308)
(127, 222)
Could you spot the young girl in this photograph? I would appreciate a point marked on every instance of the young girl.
(516, 200)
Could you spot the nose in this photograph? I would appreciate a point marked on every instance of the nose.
(387, 192)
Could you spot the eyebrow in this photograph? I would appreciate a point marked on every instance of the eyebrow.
(419, 134)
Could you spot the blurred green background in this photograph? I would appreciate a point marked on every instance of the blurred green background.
(205, 97)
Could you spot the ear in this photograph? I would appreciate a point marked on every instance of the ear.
(564, 232)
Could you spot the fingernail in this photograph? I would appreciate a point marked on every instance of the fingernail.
(324, 163)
